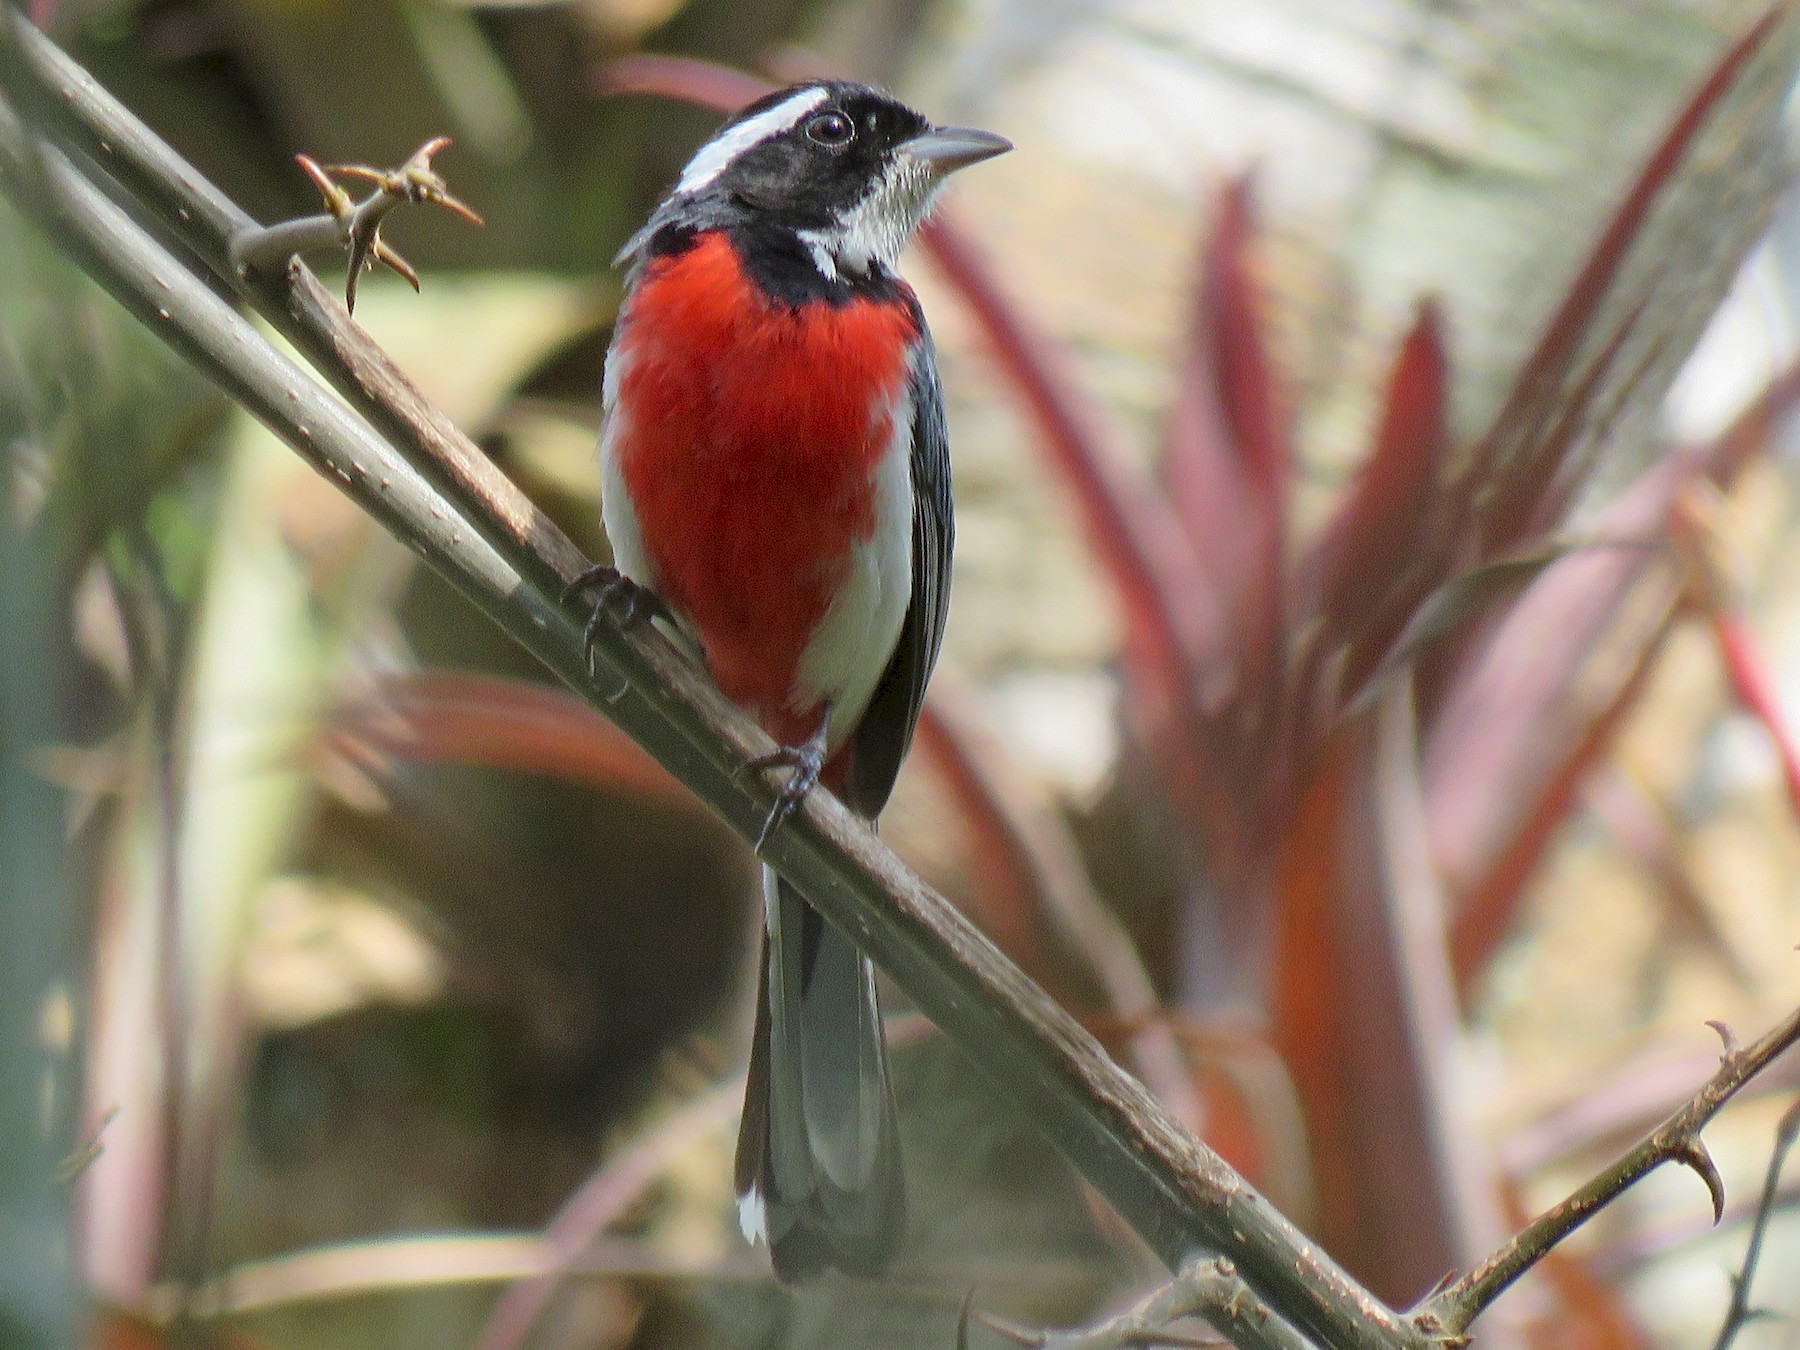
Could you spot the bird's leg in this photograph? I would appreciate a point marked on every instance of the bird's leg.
(805, 761)
(613, 590)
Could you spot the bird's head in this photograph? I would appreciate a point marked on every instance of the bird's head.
(848, 170)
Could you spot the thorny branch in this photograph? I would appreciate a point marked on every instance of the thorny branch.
(1742, 1312)
(1446, 1315)
(349, 224)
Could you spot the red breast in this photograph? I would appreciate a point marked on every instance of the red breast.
(752, 430)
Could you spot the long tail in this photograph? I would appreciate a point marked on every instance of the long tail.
(818, 1160)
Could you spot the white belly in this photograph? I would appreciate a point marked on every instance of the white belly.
(849, 651)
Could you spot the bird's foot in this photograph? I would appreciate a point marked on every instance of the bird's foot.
(613, 593)
(805, 763)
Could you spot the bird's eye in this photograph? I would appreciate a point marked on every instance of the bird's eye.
(831, 128)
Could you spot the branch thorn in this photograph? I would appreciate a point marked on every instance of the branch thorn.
(359, 223)
(1692, 1153)
(415, 180)
(337, 201)
(387, 256)
(1726, 1035)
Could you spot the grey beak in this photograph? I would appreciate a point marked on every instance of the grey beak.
(947, 149)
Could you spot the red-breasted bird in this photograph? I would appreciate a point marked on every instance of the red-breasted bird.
(776, 483)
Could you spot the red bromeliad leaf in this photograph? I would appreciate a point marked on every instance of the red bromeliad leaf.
(1487, 909)
(1366, 560)
(1535, 488)
(1455, 605)
(1511, 744)
(1750, 673)
(1515, 731)
(1227, 460)
(454, 717)
(1753, 680)
(1752, 430)
(1308, 1024)
(1538, 401)
(1252, 1108)
(1747, 667)
(1233, 1125)
(1140, 548)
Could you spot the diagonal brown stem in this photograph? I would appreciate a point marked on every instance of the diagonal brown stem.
(1446, 1316)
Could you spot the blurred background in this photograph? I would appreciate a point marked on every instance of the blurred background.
(1365, 701)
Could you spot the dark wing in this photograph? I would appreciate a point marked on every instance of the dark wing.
(881, 739)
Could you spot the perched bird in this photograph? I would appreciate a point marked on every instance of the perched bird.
(776, 486)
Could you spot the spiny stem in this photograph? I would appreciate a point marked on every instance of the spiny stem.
(1446, 1315)
(350, 224)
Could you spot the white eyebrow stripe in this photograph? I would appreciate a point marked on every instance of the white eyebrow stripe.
(716, 154)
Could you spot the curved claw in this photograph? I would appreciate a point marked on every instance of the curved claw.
(613, 591)
(806, 762)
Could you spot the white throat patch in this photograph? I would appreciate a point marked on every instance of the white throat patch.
(877, 228)
(712, 158)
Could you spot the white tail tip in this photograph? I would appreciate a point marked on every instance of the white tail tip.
(752, 1218)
